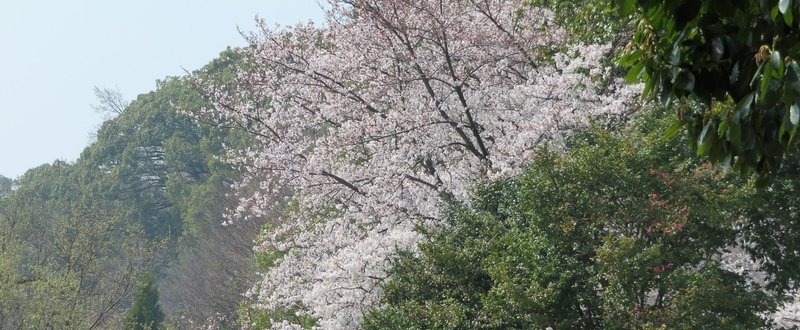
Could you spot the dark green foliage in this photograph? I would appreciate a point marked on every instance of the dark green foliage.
(736, 64)
(145, 312)
(133, 161)
(621, 232)
(150, 158)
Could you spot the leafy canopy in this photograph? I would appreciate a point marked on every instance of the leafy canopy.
(622, 232)
(731, 66)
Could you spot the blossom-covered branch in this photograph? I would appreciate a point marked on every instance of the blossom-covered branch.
(387, 109)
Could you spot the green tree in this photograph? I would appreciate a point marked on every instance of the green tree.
(620, 232)
(145, 312)
(148, 157)
(730, 67)
(68, 261)
(152, 176)
(6, 185)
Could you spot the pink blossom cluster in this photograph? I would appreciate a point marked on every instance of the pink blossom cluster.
(377, 117)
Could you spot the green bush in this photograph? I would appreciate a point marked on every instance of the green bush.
(620, 232)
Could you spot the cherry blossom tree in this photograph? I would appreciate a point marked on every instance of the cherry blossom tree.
(388, 109)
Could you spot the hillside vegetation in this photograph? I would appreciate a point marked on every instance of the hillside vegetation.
(448, 164)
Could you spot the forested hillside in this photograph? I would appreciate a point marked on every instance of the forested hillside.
(428, 164)
(145, 198)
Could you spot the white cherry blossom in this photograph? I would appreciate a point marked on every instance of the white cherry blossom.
(378, 116)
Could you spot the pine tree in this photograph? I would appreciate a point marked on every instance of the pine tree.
(145, 312)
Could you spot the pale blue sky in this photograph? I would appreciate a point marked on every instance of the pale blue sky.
(52, 53)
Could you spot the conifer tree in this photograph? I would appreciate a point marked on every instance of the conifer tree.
(145, 312)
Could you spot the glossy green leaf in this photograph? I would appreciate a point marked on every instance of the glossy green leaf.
(788, 17)
(705, 139)
(776, 62)
(634, 73)
(743, 107)
(674, 128)
(783, 6)
(649, 84)
(723, 127)
(735, 133)
(631, 58)
(774, 13)
(764, 82)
